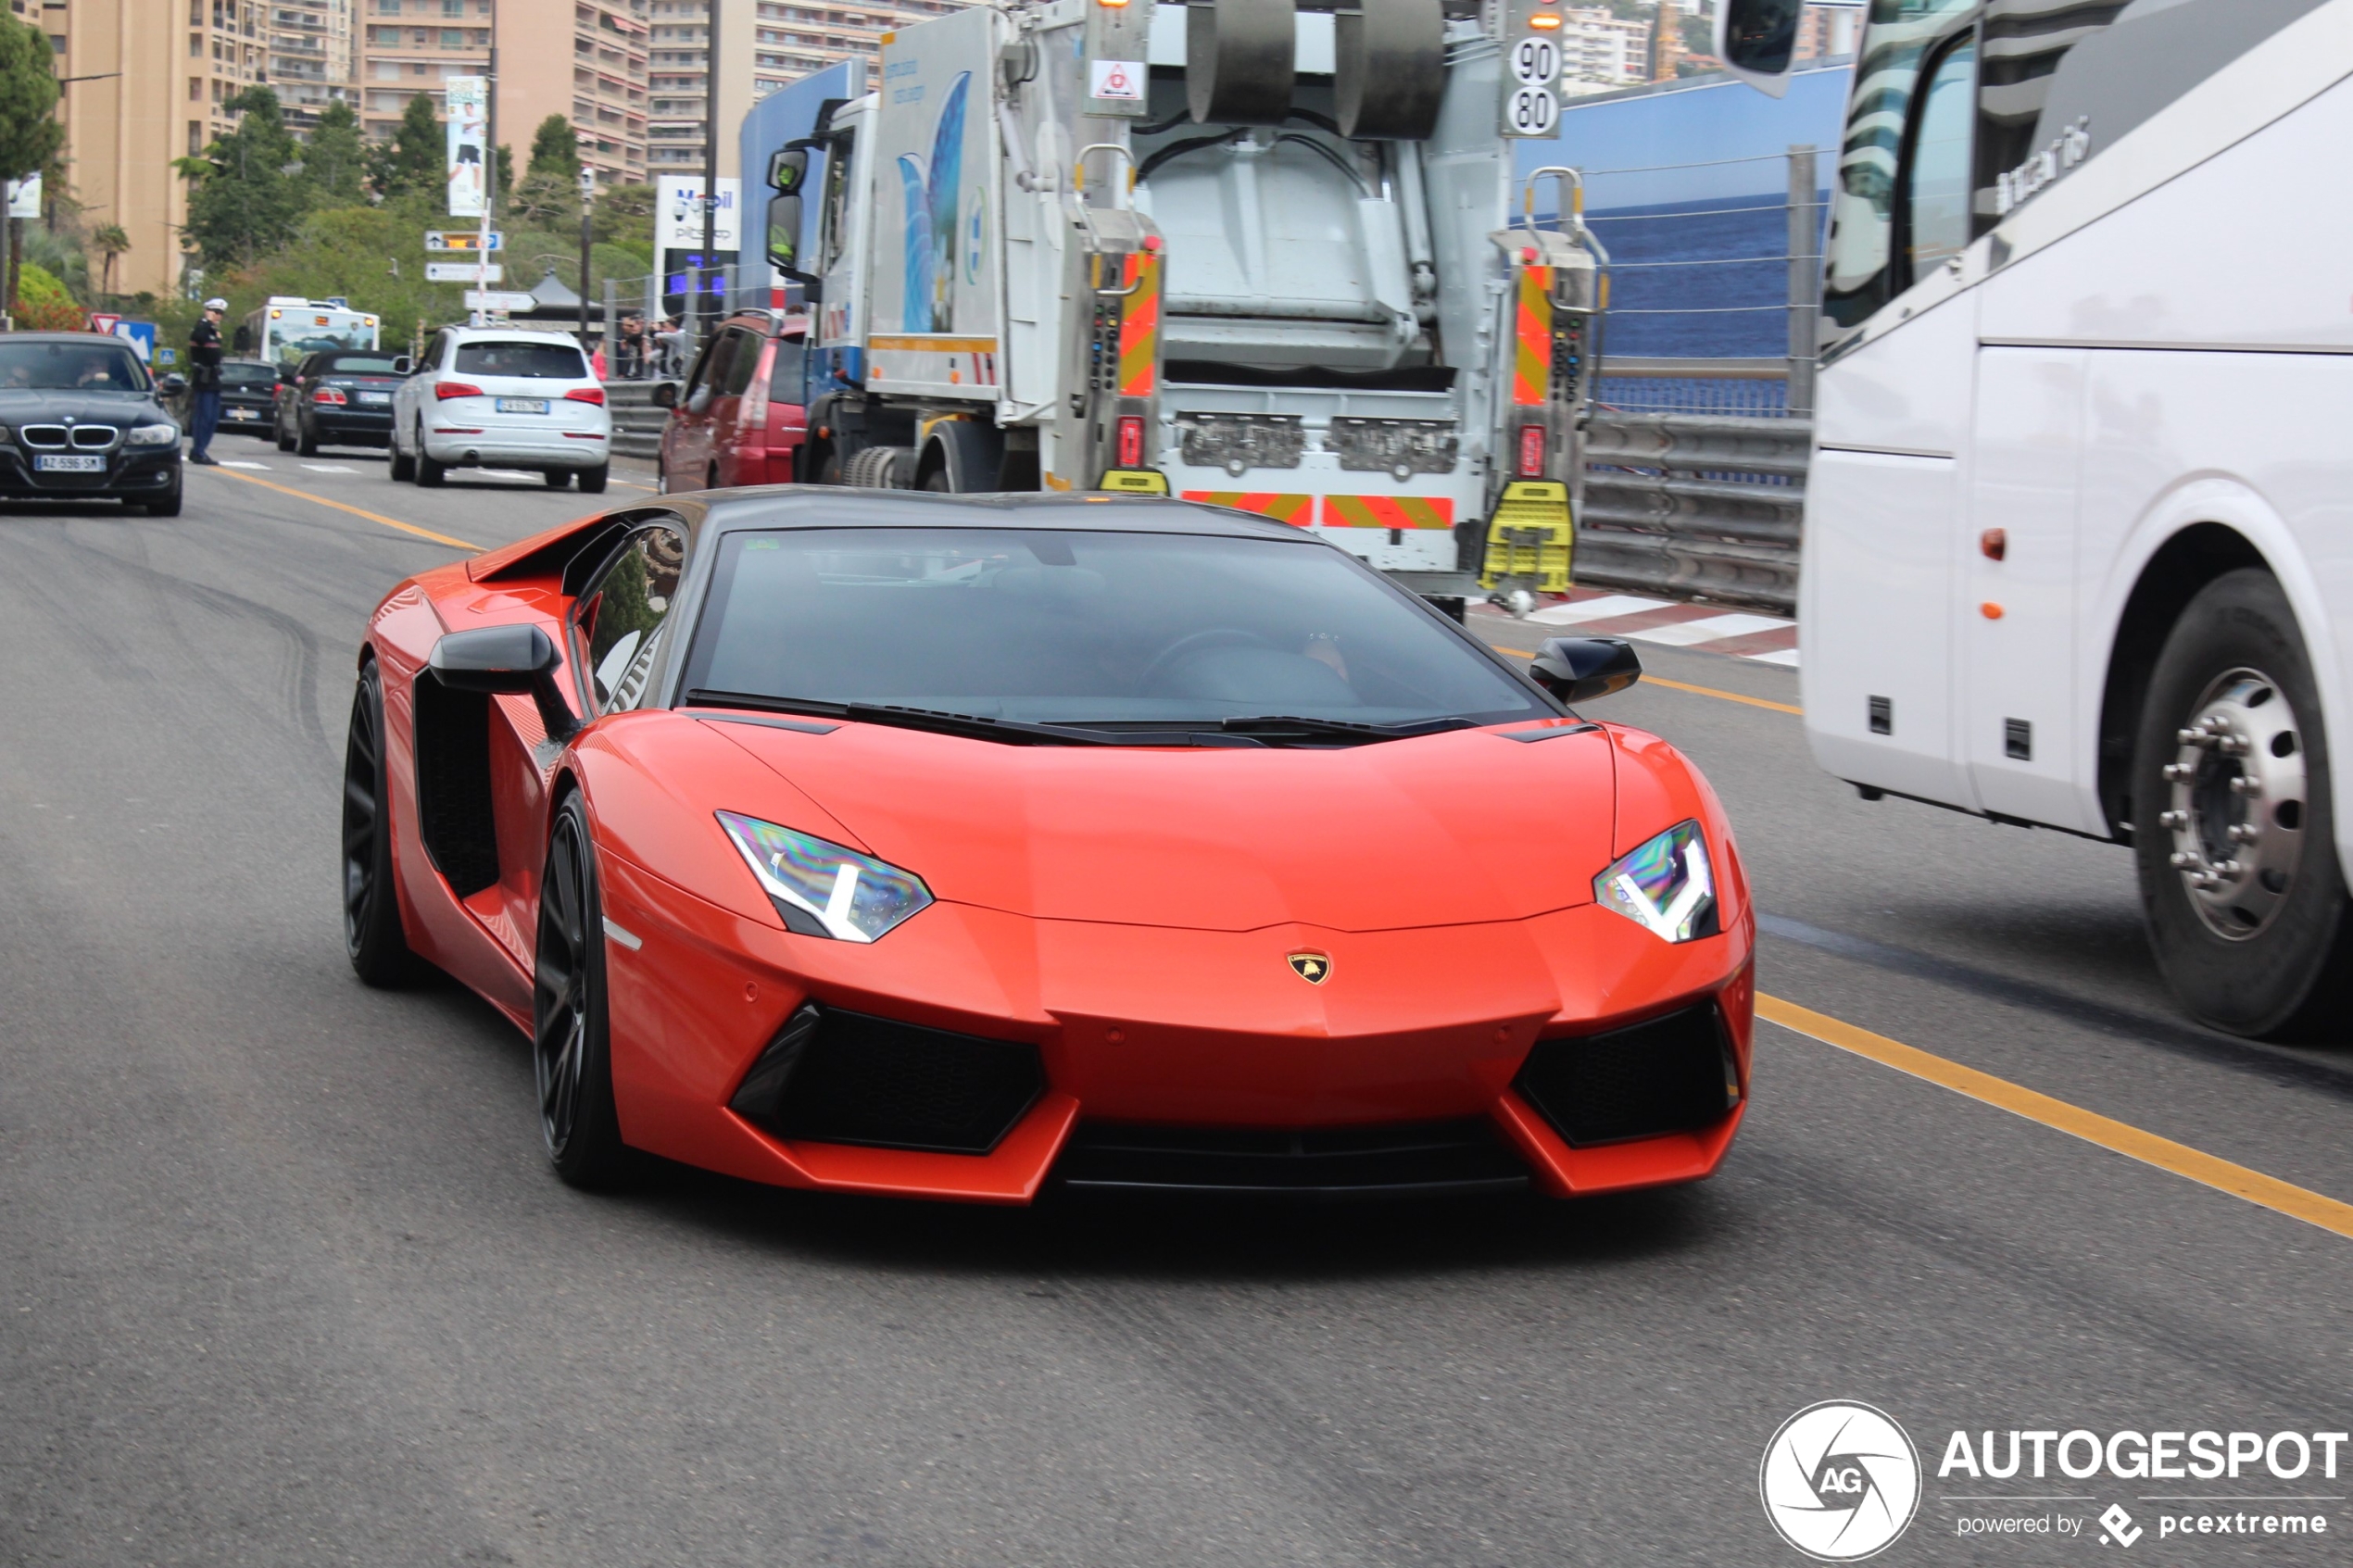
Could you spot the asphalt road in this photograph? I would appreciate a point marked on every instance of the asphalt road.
(283, 1278)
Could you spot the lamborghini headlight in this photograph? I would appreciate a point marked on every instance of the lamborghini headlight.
(153, 435)
(822, 889)
(1666, 887)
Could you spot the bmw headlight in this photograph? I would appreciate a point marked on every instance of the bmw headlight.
(153, 435)
(1666, 887)
(822, 889)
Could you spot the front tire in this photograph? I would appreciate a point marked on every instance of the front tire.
(2233, 831)
(165, 505)
(372, 936)
(571, 1023)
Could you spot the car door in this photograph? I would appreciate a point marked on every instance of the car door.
(739, 418)
(686, 439)
(784, 386)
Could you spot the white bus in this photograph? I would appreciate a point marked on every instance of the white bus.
(2079, 533)
(288, 328)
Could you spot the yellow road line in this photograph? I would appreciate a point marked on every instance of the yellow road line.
(354, 511)
(2270, 1192)
(1649, 680)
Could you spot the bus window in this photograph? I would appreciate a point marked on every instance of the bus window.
(1936, 185)
(1862, 217)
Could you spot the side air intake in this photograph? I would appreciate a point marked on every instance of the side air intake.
(831, 1076)
(1672, 1074)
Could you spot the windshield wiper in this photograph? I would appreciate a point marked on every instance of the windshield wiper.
(1270, 724)
(976, 726)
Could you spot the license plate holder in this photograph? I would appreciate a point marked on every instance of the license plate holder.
(69, 463)
(375, 397)
(523, 404)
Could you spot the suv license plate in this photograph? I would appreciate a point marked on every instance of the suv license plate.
(70, 465)
(523, 404)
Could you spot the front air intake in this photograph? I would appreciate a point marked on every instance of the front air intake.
(1398, 1160)
(1672, 1074)
(831, 1076)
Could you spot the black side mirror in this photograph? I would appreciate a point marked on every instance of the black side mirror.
(507, 659)
(1580, 669)
(666, 394)
(403, 366)
(787, 169)
(173, 384)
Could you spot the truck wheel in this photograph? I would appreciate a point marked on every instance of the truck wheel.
(2233, 829)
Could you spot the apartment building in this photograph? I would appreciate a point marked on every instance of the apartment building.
(1598, 46)
(599, 82)
(303, 63)
(764, 45)
(411, 46)
(154, 83)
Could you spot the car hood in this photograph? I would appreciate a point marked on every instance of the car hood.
(22, 407)
(1450, 829)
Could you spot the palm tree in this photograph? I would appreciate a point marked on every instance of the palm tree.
(112, 242)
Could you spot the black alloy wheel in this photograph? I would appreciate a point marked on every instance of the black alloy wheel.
(2233, 829)
(372, 934)
(570, 1038)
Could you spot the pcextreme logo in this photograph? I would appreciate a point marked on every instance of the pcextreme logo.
(1839, 1481)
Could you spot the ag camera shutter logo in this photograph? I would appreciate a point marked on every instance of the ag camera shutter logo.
(1839, 1481)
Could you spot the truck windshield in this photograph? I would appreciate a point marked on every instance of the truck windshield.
(1047, 626)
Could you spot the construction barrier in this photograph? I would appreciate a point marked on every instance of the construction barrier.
(1694, 507)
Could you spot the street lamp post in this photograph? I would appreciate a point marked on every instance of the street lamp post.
(710, 158)
(587, 196)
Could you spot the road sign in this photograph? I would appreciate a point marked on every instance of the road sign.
(461, 239)
(102, 322)
(498, 300)
(464, 272)
(1532, 55)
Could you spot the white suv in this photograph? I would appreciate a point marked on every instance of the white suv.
(502, 397)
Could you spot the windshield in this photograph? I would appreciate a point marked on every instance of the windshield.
(356, 365)
(234, 374)
(1055, 627)
(69, 367)
(540, 361)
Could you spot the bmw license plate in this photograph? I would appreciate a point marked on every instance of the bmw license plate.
(375, 397)
(523, 404)
(70, 465)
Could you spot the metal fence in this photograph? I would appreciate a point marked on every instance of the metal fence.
(1704, 506)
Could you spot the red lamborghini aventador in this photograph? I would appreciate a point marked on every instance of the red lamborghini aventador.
(947, 847)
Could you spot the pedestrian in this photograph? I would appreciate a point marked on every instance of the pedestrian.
(633, 347)
(204, 381)
(671, 342)
(597, 358)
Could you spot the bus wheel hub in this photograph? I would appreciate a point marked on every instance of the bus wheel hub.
(2237, 803)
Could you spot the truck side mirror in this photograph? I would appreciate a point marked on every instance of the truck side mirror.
(1757, 41)
(787, 169)
(1581, 668)
(784, 235)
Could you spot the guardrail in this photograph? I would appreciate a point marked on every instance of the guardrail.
(637, 420)
(1695, 506)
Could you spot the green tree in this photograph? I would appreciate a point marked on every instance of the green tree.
(42, 304)
(30, 134)
(413, 162)
(549, 193)
(623, 216)
(110, 241)
(334, 160)
(246, 191)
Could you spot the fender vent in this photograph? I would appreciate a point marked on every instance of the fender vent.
(842, 1077)
(454, 816)
(1672, 1074)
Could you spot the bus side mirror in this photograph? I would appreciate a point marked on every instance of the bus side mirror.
(1757, 41)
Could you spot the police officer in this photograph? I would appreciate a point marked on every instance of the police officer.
(204, 381)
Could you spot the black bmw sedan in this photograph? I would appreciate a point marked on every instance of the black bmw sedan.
(80, 419)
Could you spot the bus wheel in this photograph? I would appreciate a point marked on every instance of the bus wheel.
(2231, 825)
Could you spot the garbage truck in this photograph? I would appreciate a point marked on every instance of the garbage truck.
(1256, 252)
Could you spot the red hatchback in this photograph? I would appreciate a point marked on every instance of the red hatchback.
(737, 419)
